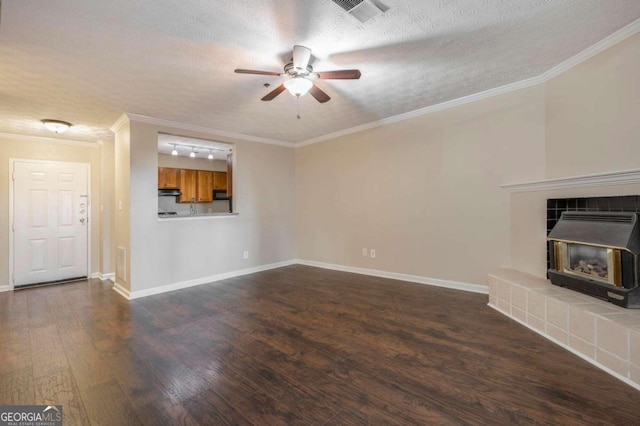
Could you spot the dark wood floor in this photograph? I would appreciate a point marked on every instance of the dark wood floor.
(296, 345)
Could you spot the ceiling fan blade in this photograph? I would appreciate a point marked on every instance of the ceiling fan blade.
(301, 57)
(275, 92)
(340, 75)
(317, 93)
(239, 71)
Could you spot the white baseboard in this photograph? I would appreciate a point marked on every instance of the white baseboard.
(474, 288)
(111, 277)
(121, 290)
(199, 281)
(4, 288)
(570, 349)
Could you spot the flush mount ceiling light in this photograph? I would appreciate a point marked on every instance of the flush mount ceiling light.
(210, 156)
(193, 152)
(298, 86)
(56, 126)
(175, 151)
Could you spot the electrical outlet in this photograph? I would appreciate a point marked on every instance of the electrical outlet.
(365, 252)
(245, 255)
(372, 253)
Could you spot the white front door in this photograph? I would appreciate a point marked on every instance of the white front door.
(50, 221)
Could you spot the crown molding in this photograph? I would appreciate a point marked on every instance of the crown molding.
(199, 129)
(624, 177)
(27, 138)
(117, 125)
(604, 44)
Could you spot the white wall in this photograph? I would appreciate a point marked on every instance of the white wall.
(166, 252)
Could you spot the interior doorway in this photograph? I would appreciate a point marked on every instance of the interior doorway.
(49, 206)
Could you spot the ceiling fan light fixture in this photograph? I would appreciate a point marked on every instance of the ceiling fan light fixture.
(301, 74)
(56, 126)
(298, 86)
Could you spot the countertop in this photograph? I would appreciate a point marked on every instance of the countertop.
(187, 216)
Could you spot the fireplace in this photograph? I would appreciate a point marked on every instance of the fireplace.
(597, 254)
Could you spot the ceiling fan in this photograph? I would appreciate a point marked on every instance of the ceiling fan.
(301, 76)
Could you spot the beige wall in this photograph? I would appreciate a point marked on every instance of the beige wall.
(122, 263)
(593, 114)
(22, 147)
(423, 192)
(172, 251)
(107, 209)
(593, 126)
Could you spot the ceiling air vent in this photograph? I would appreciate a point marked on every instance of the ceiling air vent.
(347, 4)
(362, 10)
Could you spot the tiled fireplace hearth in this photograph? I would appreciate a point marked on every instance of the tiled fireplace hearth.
(600, 332)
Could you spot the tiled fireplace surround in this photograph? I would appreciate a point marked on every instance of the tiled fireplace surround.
(604, 334)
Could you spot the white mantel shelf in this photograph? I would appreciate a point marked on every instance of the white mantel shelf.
(624, 177)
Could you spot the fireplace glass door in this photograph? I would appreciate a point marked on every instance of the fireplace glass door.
(589, 260)
(596, 263)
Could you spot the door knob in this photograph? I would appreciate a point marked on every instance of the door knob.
(82, 220)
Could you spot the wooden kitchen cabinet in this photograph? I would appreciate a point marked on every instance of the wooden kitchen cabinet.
(197, 184)
(167, 178)
(205, 186)
(188, 184)
(220, 180)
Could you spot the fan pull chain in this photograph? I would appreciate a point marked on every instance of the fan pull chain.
(298, 103)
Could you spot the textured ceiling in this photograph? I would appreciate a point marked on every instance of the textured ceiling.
(88, 61)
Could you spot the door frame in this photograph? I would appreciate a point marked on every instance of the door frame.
(12, 162)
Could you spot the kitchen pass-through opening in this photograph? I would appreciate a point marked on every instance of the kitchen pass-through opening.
(195, 177)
